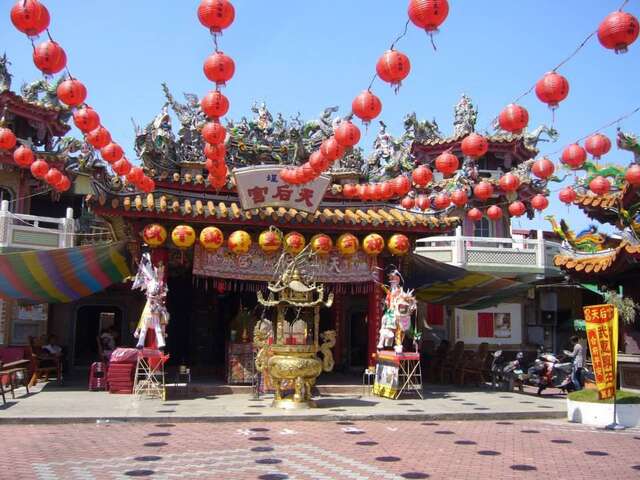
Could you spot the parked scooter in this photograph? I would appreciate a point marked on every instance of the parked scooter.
(548, 372)
(507, 375)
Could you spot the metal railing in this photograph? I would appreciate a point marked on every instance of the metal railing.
(479, 252)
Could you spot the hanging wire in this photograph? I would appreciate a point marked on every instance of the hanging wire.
(391, 47)
(607, 125)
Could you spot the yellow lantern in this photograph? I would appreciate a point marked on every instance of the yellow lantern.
(321, 244)
(183, 236)
(347, 244)
(399, 244)
(373, 244)
(294, 243)
(154, 235)
(211, 238)
(239, 242)
(270, 240)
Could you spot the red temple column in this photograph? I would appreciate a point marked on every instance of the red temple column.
(374, 316)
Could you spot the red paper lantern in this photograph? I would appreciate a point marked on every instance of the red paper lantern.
(86, 119)
(39, 169)
(483, 190)
(30, 17)
(393, 67)
(597, 145)
(217, 168)
(408, 203)
(308, 173)
(447, 163)
(618, 30)
(422, 202)
(513, 118)
(214, 104)
(366, 106)
(7, 139)
(49, 57)
(509, 182)
(494, 213)
(378, 191)
(539, 202)
(111, 152)
(215, 152)
(214, 133)
(122, 167)
(428, 14)
(574, 155)
(401, 184)
(422, 176)
(219, 68)
(347, 134)
(216, 15)
(543, 168)
(388, 190)
(53, 176)
(147, 185)
(318, 162)
(63, 185)
(475, 215)
(72, 92)
(517, 208)
(459, 198)
(567, 195)
(23, 156)
(474, 145)
(368, 192)
(98, 137)
(217, 182)
(632, 175)
(599, 185)
(331, 149)
(441, 201)
(349, 190)
(552, 88)
(135, 175)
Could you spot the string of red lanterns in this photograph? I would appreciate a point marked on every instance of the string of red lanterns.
(216, 15)
(32, 18)
(392, 67)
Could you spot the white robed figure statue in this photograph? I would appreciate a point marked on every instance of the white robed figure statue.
(150, 279)
(400, 305)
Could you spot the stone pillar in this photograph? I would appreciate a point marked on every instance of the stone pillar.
(374, 316)
(338, 321)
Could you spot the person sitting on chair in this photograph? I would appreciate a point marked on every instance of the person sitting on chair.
(108, 341)
(52, 347)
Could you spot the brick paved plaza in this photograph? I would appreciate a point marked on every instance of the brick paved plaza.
(319, 450)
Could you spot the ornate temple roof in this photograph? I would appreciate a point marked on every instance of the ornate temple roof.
(225, 211)
(610, 263)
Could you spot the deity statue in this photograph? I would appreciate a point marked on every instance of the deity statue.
(189, 145)
(400, 305)
(155, 144)
(151, 280)
(390, 157)
(5, 75)
(465, 117)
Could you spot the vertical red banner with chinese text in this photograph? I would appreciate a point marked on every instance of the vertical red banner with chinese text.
(602, 333)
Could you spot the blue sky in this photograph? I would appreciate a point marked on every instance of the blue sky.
(303, 56)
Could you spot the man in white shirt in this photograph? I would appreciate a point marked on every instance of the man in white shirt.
(578, 362)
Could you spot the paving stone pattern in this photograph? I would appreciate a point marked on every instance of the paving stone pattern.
(319, 450)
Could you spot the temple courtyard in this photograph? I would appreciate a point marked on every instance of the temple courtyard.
(319, 450)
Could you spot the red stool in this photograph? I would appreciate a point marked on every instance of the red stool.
(98, 376)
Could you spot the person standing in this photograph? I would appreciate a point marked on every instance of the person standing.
(578, 362)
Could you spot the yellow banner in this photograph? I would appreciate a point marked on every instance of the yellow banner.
(602, 333)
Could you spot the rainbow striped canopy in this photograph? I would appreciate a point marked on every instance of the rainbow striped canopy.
(61, 275)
